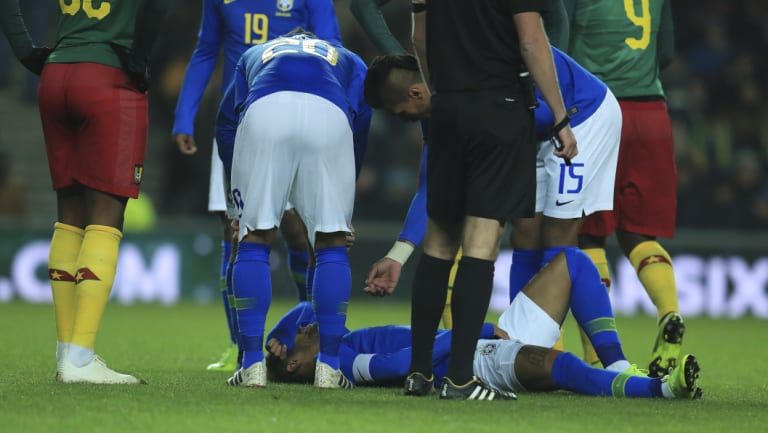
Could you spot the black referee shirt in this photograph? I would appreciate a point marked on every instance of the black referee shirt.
(473, 44)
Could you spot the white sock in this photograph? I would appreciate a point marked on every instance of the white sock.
(79, 356)
(619, 366)
(61, 351)
(665, 391)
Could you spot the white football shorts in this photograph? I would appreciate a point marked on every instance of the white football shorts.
(294, 147)
(527, 324)
(586, 186)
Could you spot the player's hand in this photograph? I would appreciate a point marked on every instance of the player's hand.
(277, 349)
(500, 333)
(136, 69)
(185, 143)
(567, 148)
(350, 237)
(35, 60)
(383, 277)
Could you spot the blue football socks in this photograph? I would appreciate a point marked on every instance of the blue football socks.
(330, 297)
(525, 264)
(252, 283)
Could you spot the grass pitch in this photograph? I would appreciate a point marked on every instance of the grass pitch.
(170, 346)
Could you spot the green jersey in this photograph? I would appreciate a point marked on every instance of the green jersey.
(87, 27)
(619, 41)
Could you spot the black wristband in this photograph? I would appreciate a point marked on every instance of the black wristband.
(561, 124)
(418, 7)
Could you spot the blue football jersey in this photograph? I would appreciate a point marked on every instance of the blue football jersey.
(238, 25)
(580, 89)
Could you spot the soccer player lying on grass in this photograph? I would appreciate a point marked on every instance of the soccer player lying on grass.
(520, 361)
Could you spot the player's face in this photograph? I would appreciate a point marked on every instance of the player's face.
(412, 108)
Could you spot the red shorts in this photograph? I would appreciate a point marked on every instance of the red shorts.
(95, 127)
(645, 194)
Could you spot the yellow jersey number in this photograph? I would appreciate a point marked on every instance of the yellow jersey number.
(643, 21)
(310, 46)
(71, 7)
(256, 28)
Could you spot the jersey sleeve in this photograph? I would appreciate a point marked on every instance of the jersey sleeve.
(381, 354)
(323, 22)
(361, 123)
(415, 225)
(556, 24)
(226, 126)
(149, 23)
(286, 328)
(368, 14)
(666, 43)
(12, 24)
(200, 68)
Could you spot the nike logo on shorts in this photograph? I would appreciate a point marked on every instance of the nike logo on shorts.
(559, 203)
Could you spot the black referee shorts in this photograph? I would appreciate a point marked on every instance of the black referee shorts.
(482, 157)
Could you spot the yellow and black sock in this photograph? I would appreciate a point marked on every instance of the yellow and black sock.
(447, 316)
(96, 267)
(654, 269)
(62, 264)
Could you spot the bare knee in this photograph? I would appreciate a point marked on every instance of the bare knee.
(330, 240)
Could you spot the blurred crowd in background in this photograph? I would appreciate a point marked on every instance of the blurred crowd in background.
(714, 91)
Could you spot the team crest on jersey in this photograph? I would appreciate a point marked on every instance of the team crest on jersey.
(284, 5)
(488, 349)
(138, 172)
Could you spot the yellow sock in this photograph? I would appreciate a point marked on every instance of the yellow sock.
(96, 268)
(560, 344)
(654, 269)
(62, 264)
(447, 316)
(598, 257)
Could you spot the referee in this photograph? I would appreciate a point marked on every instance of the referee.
(477, 57)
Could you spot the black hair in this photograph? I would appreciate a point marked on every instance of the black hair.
(378, 74)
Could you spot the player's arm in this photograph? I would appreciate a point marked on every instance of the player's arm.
(323, 22)
(368, 14)
(199, 71)
(419, 36)
(284, 332)
(665, 49)
(361, 123)
(537, 55)
(385, 273)
(135, 59)
(383, 353)
(226, 127)
(12, 24)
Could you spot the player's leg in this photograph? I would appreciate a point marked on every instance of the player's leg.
(60, 139)
(594, 248)
(109, 164)
(264, 146)
(654, 269)
(323, 193)
(541, 369)
(648, 203)
(568, 281)
(218, 205)
(526, 255)
(299, 255)
(428, 297)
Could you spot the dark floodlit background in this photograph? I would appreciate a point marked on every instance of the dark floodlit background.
(715, 89)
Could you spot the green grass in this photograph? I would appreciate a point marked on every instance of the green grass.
(169, 347)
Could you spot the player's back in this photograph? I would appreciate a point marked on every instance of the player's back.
(85, 31)
(303, 64)
(617, 41)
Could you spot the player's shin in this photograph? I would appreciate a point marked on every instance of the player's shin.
(330, 298)
(252, 284)
(591, 308)
(571, 373)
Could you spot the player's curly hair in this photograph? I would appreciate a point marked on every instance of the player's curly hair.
(376, 80)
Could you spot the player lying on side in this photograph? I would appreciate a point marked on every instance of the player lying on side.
(520, 361)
